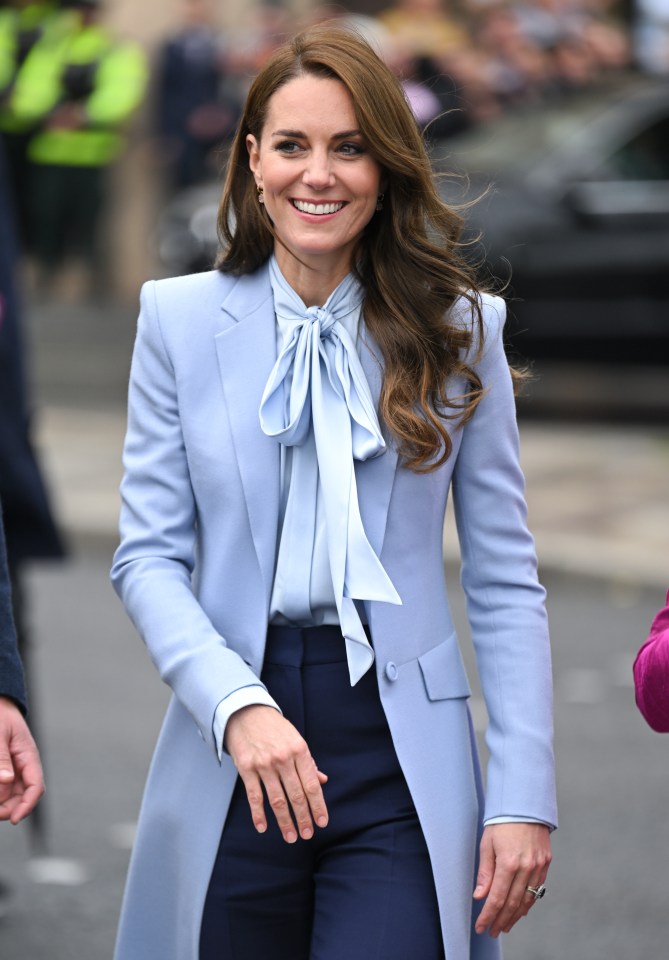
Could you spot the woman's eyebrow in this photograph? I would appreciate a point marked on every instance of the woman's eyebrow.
(300, 135)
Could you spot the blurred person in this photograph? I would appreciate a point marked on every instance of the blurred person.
(81, 88)
(651, 673)
(469, 68)
(315, 791)
(253, 40)
(21, 779)
(607, 31)
(651, 35)
(547, 22)
(609, 44)
(22, 24)
(425, 28)
(436, 96)
(194, 114)
(517, 69)
(432, 95)
(30, 529)
(574, 66)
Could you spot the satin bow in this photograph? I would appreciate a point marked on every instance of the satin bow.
(318, 380)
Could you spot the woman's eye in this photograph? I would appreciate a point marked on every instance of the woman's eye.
(351, 149)
(288, 146)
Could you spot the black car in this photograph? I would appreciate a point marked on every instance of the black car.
(575, 220)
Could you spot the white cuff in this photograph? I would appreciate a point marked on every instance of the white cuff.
(494, 820)
(255, 693)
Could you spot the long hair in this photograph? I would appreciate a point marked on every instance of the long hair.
(407, 259)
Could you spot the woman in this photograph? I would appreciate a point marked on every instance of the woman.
(281, 555)
(651, 673)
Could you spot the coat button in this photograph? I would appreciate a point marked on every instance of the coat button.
(391, 671)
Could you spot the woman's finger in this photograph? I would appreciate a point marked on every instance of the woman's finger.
(278, 801)
(254, 795)
(496, 899)
(514, 906)
(298, 805)
(528, 899)
(302, 787)
(310, 777)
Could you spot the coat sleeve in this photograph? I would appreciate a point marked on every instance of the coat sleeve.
(12, 683)
(651, 674)
(153, 567)
(505, 601)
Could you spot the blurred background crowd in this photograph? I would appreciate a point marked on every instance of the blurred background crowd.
(78, 76)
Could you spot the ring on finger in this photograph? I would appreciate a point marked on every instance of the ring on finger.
(537, 892)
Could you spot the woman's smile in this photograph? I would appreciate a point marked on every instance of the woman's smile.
(317, 209)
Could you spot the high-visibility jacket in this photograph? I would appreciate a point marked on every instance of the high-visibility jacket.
(20, 30)
(107, 78)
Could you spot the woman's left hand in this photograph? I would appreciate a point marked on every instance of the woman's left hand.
(514, 856)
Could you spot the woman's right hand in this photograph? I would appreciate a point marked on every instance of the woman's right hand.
(269, 753)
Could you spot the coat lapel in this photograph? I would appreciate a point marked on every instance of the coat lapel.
(246, 351)
(375, 477)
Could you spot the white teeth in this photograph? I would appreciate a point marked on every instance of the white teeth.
(317, 208)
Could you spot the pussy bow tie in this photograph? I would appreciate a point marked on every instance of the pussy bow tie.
(318, 379)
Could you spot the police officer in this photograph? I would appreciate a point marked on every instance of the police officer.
(81, 87)
(22, 24)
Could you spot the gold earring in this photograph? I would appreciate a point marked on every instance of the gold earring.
(261, 193)
(379, 201)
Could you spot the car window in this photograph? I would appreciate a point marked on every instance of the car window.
(643, 157)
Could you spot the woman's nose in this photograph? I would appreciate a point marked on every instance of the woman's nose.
(318, 172)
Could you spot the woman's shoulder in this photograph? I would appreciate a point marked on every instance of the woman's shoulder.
(198, 300)
(492, 309)
(192, 288)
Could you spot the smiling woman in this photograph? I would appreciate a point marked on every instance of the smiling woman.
(318, 181)
(297, 420)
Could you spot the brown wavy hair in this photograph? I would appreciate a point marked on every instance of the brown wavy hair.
(408, 258)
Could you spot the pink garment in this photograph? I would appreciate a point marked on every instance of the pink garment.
(651, 673)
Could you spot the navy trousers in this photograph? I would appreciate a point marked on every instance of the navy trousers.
(362, 887)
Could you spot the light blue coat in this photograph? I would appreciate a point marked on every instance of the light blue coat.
(194, 570)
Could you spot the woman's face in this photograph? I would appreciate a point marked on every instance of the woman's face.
(320, 183)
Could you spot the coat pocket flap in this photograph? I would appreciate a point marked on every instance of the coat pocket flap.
(443, 671)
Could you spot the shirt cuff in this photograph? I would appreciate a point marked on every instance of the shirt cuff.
(494, 820)
(255, 693)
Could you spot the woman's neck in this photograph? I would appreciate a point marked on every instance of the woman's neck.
(313, 284)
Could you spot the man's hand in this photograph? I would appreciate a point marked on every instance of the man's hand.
(514, 856)
(21, 779)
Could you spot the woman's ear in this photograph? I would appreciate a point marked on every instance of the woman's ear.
(253, 148)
